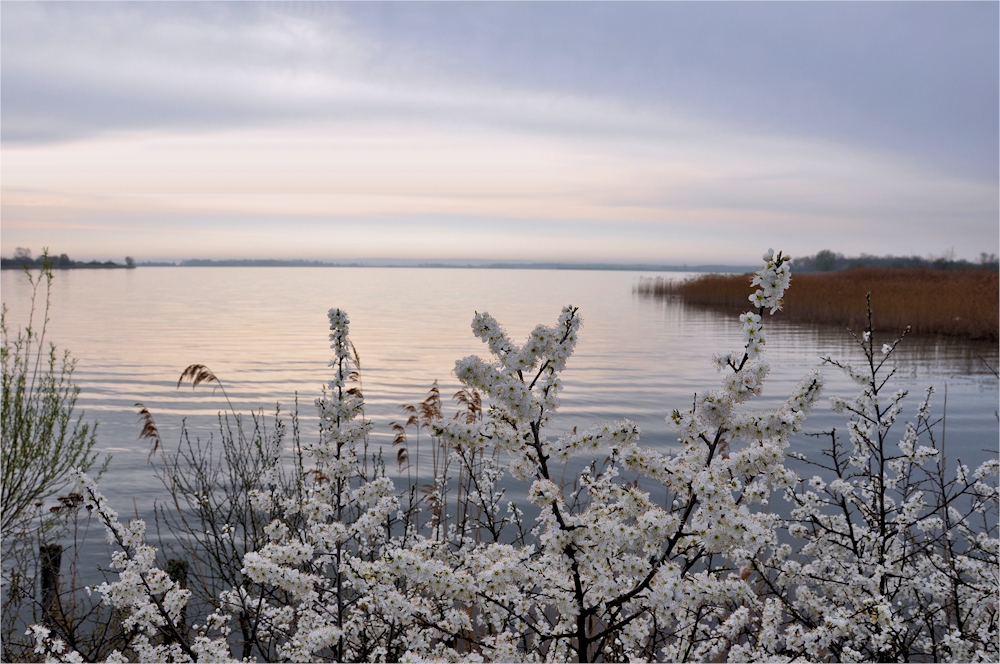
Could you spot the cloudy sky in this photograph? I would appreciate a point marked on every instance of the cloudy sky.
(614, 132)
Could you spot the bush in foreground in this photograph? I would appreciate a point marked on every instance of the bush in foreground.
(884, 555)
(43, 436)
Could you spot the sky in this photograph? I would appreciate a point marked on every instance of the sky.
(653, 132)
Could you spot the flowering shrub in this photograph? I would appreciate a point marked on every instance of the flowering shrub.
(880, 557)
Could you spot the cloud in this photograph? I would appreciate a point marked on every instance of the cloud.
(913, 78)
(916, 78)
(379, 169)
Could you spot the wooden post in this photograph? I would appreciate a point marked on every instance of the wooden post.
(50, 560)
(177, 570)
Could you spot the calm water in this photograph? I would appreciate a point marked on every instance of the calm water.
(263, 331)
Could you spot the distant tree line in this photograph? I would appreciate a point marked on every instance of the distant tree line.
(254, 262)
(22, 259)
(828, 261)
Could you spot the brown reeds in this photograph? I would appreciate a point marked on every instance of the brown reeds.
(961, 303)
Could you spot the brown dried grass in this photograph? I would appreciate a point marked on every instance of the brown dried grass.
(961, 303)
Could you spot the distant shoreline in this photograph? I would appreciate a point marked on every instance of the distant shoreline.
(823, 262)
(728, 269)
(438, 265)
(8, 264)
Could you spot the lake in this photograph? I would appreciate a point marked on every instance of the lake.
(263, 332)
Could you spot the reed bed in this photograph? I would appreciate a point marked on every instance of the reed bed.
(953, 303)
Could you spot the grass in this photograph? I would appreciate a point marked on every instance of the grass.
(953, 303)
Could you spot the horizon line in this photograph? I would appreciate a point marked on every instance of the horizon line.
(452, 264)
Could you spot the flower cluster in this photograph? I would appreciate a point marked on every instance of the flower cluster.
(890, 564)
(773, 280)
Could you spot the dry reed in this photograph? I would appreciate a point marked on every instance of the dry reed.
(955, 303)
